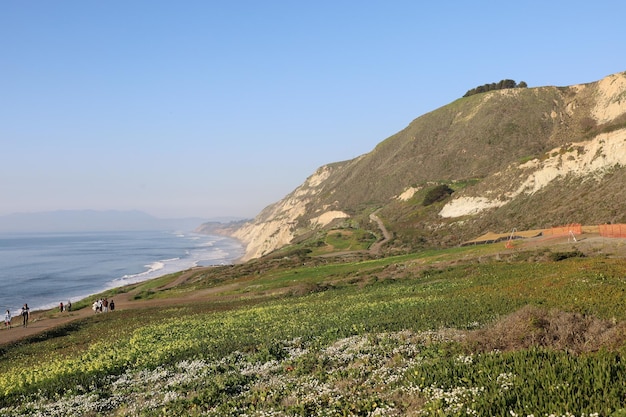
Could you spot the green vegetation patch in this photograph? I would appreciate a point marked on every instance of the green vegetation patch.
(437, 193)
(400, 339)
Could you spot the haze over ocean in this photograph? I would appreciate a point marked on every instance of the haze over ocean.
(44, 269)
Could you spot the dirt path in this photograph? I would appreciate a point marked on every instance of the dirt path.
(42, 321)
(184, 277)
(375, 248)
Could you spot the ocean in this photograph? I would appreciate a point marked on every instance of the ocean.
(44, 269)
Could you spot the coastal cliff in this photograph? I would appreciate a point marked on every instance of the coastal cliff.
(277, 224)
(514, 158)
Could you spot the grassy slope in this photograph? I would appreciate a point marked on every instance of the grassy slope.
(468, 144)
(265, 310)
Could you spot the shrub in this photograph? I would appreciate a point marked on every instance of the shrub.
(559, 256)
(502, 84)
(440, 192)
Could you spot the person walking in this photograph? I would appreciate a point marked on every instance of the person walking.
(25, 314)
(7, 319)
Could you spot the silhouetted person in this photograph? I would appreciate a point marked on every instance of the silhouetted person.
(25, 314)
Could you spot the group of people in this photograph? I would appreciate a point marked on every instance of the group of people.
(99, 306)
(103, 305)
(24, 312)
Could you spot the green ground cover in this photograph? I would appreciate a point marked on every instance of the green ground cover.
(386, 337)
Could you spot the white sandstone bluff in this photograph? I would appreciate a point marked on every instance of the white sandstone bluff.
(275, 226)
(592, 158)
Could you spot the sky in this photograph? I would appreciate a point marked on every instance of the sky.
(219, 108)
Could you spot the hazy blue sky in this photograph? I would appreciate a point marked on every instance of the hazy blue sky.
(219, 108)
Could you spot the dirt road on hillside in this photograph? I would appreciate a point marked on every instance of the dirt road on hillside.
(375, 248)
(42, 321)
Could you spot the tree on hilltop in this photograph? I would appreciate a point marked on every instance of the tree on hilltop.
(501, 85)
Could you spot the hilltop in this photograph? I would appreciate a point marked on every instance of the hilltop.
(521, 158)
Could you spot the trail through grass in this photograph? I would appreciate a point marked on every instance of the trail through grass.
(383, 337)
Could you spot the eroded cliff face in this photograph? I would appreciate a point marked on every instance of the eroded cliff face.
(583, 160)
(591, 159)
(278, 223)
(315, 203)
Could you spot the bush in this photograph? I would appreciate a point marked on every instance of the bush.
(501, 85)
(440, 192)
(559, 256)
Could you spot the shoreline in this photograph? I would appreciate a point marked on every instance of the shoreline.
(44, 283)
(44, 320)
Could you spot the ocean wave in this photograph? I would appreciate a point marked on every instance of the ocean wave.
(71, 275)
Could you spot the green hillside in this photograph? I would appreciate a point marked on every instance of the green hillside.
(482, 330)
(482, 147)
(358, 299)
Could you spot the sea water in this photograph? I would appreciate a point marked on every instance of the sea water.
(45, 269)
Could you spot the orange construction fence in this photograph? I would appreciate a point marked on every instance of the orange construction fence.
(612, 230)
(574, 228)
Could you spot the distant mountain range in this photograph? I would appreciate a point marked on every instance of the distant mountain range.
(95, 220)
